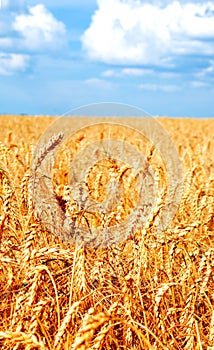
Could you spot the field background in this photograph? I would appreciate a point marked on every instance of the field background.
(146, 293)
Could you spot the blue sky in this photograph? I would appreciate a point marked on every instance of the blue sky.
(57, 55)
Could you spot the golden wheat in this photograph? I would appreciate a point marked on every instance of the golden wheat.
(151, 291)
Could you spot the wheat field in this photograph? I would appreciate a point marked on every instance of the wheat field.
(147, 292)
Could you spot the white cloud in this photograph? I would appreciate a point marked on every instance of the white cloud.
(206, 71)
(132, 72)
(110, 73)
(12, 5)
(198, 84)
(99, 83)
(136, 72)
(3, 4)
(134, 32)
(11, 63)
(156, 87)
(39, 29)
(5, 43)
(20, 34)
(65, 3)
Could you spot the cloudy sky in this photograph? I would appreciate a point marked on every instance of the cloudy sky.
(57, 55)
